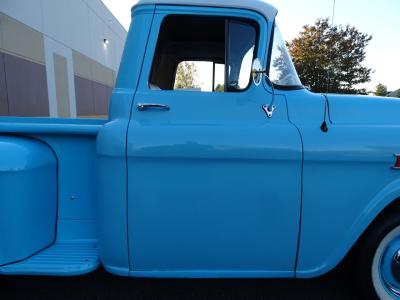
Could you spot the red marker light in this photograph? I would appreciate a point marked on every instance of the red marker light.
(397, 163)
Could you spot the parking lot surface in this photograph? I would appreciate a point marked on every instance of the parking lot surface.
(101, 285)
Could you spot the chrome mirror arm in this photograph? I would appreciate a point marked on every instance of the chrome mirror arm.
(270, 108)
(257, 72)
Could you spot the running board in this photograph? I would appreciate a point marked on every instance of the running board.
(61, 259)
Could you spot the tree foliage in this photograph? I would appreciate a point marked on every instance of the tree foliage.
(280, 64)
(329, 58)
(398, 94)
(381, 90)
(186, 74)
(219, 88)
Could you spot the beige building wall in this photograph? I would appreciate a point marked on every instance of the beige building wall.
(62, 90)
(41, 74)
(21, 40)
(92, 70)
(22, 46)
(93, 85)
(22, 70)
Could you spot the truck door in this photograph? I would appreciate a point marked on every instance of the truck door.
(214, 186)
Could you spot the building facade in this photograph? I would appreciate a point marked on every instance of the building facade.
(58, 58)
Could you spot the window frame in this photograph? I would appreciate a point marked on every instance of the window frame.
(227, 18)
(256, 26)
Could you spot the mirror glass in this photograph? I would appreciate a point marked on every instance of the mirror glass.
(257, 71)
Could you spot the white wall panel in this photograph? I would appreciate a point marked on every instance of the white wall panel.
(55, 20)
(101, 10)
(118, 53)
(81, 25)
(109, 49)
(28, 12)
(97, 36)
(78, 24)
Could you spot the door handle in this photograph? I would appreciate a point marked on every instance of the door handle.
(147, 106)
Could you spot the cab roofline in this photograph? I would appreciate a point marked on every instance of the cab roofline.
(259, 6)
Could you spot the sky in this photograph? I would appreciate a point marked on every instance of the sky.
(381, 19)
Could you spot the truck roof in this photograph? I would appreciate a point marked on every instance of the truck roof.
(260, 6)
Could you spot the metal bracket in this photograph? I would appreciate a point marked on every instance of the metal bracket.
(269, 110)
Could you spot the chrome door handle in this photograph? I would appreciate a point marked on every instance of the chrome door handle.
(147, 106)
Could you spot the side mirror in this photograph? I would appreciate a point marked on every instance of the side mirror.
(257, 72)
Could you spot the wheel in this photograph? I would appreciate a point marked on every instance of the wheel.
(378, 261)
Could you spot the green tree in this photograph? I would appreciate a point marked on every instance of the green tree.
(398, 94)
(329, 58)
(280, 63)
(186, 74)
(219, 88)
(381, 90)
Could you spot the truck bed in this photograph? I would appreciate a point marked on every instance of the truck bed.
(68, 239)
(22, 125)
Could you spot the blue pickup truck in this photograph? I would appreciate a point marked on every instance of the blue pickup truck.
(256, 177)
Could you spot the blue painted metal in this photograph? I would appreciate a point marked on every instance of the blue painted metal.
(76, 176)
(50, 126)
(28, 203)
(211, 188)
(72, 146)
(212, 182)
(61, 259)
(347, 177)
(111, 149)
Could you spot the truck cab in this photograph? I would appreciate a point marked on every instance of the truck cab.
(247, 175)
(190, 183)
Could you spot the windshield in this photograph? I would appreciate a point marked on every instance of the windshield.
(282, 71)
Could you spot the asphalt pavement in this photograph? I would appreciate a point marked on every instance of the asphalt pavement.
(101, 285)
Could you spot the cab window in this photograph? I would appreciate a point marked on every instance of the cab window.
(204, 54)
(282, 71)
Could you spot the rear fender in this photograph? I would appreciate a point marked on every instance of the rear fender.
(28, 198)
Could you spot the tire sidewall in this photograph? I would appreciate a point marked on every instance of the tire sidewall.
(376, 262)
(369, 257)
